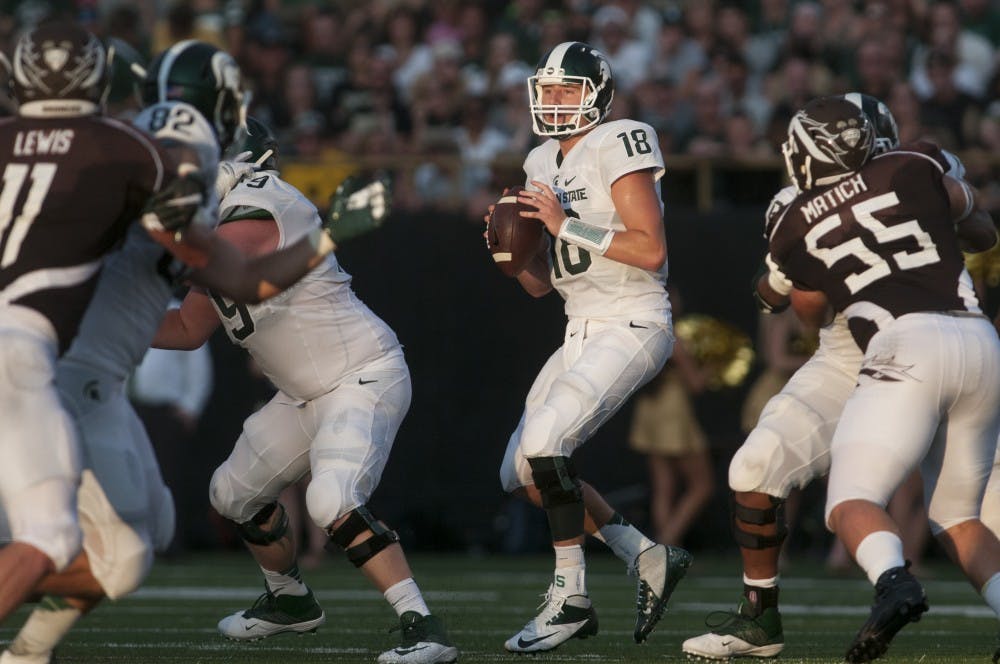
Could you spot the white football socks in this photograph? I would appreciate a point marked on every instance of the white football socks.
(878, 552)
(624, 539)
(762, 583)
(571, 571)
(48, 623)
(405, 596)
(991, 593)
(569, 556)
(288, 582)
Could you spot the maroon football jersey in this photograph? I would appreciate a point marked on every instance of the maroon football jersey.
(880, 243)
(927, 148)
(70, 188)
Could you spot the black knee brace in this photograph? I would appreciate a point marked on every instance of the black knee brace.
(252, 531)
(358, 521)
(562, 496)
(759, 517)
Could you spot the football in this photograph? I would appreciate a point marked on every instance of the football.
(512, 239)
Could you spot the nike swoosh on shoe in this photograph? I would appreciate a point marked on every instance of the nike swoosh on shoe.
(521, 643)
(407, 651)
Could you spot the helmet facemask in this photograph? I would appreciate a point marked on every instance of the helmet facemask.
(559, 120)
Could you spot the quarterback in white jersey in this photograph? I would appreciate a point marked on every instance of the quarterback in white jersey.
(592, 284)
(343, 390)
(596, 190)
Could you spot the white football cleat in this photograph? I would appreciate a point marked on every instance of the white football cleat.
(723, 647)
(738, 633)
(562, 618)
(659, 568)
(274, 614)
(425, 641)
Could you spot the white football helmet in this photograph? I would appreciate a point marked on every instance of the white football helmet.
(571, 62)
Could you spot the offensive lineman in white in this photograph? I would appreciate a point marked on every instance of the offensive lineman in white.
(344, 389)
(125, 510)
(596, 190)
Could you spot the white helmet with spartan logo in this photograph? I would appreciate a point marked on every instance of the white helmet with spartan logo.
(571, 63)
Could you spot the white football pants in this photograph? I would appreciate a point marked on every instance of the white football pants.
(343, 437)
(599, 366)
(928, 395)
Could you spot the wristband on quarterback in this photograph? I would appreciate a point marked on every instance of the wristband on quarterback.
(590, 237)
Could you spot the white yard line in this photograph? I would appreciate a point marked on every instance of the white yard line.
(492, 597)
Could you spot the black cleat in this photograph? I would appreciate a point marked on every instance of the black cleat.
(899, 599)
(659, 568)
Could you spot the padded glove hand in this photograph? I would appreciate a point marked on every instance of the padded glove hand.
(173, 207)
(231, 172)
(358, 206)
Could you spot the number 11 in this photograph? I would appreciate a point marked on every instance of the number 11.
(14, 176)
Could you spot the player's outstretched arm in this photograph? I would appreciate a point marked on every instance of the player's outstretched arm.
(247, 276)
(189, 326)
(217, 264)
(171, 209)
(239, 261)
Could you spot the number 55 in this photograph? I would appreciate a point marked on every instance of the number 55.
(878, 266)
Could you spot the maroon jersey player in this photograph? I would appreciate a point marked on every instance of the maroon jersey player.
(73, 180)
(880, 239)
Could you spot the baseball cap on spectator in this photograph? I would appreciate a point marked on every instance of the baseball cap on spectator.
(267, 30)
(940, 58)
(514, 73)
(308, 122)
(673, 15)
(476, 84)
(386, 53)
(609, 15)
(446, 49)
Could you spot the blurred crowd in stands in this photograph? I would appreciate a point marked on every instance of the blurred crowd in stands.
(441, 84)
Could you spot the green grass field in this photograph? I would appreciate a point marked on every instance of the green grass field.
(486, 599)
